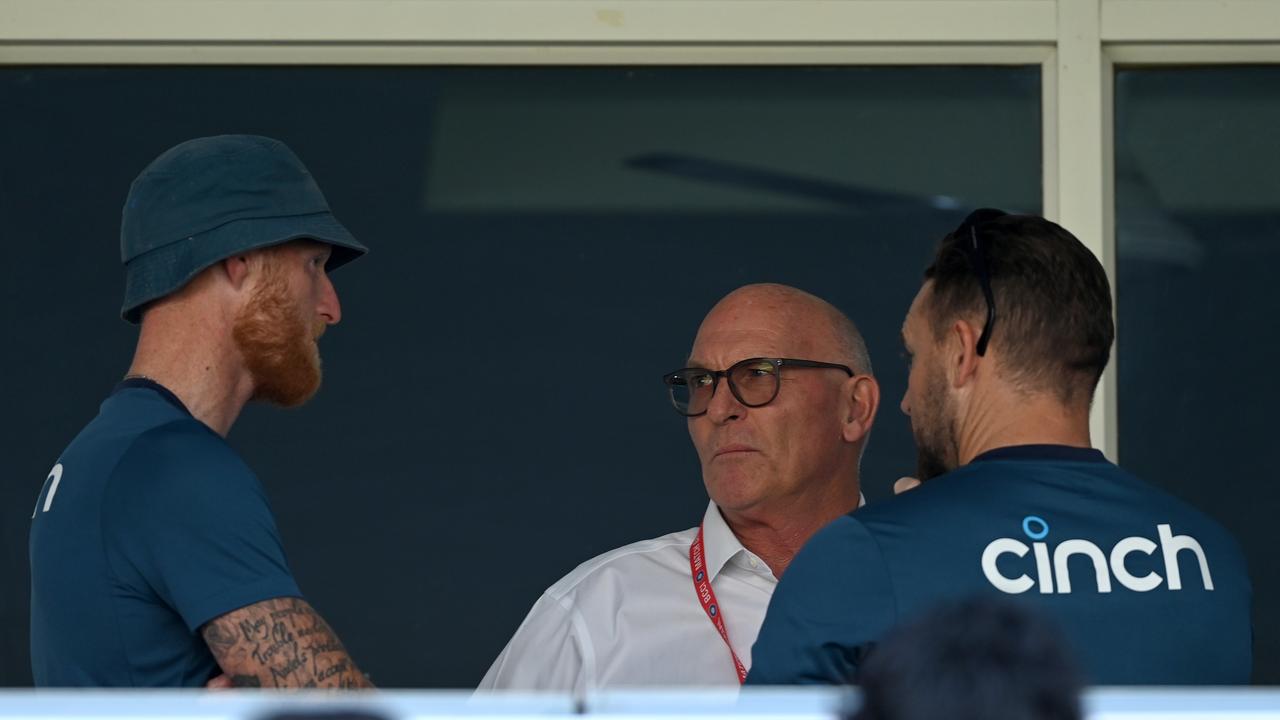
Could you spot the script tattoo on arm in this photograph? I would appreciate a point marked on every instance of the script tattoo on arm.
(281, 643)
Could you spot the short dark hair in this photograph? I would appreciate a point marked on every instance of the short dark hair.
(972, 659)
(1053, 302)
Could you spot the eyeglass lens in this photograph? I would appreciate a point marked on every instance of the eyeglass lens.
(753, 382)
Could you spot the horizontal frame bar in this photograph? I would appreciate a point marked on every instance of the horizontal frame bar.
(528, 21)
(252, 54)
(1193, 54)
(1189, 20)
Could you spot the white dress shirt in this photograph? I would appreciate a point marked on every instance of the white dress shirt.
(630, 617)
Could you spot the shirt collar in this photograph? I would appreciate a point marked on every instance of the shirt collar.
(720, 545)
(148, 384)
(1062, 453)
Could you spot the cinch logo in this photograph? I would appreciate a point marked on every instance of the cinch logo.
(1054, 575)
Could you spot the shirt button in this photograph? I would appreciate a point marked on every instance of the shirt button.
(754, 562)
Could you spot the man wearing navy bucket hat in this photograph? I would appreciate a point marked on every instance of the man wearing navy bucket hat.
(155, 559)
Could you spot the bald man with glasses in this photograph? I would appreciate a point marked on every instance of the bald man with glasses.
(779, 400)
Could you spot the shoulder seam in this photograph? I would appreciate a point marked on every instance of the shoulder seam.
(893, 588)
(133, 444)
(115, 575)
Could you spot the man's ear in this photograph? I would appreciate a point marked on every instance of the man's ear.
(236, 270)
(862, 395)
(961, 353)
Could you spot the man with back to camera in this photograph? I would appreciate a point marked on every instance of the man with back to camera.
(779, 400)
(1008, 337)
(155, 559)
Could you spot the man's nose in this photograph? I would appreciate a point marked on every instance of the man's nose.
(904, 405)
(328, 307)
(724, 406)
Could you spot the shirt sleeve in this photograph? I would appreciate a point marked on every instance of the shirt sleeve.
(551, 650)
(187, 517)
(833, 602)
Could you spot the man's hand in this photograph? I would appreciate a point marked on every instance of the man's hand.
(904, 484)
(280, 643)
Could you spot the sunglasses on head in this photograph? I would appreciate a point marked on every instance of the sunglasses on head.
(968, 236)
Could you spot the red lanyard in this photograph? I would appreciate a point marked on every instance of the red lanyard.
(707, 596)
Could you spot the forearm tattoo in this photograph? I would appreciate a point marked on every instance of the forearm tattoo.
(281, 643)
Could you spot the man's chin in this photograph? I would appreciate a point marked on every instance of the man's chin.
(287, 375)
(733, 492)
(288, 392)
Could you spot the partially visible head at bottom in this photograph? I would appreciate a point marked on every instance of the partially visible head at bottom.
(974, 659)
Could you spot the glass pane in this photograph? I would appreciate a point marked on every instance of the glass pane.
(1198, 239)
(544, 243)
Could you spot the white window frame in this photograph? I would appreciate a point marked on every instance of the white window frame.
(1078, 44)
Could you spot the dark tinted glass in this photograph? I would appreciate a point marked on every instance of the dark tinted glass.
(491, 415)
(1198, 341)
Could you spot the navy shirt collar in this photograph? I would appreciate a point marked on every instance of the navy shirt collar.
(149, 384)
(1059, 453)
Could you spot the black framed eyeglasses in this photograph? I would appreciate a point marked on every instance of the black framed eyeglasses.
(971, 242)
(754, 382)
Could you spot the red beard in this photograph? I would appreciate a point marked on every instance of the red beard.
(273, 338)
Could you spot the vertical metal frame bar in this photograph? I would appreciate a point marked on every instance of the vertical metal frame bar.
(1082, 180)
(1049, 134)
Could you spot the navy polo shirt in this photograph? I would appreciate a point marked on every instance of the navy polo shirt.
(149, 526)
(1147, 589)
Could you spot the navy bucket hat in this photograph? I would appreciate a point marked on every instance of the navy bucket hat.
(210, 198)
